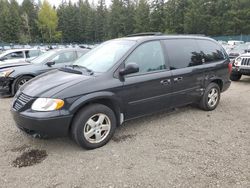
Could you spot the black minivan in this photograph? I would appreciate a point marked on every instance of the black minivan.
(120, 80)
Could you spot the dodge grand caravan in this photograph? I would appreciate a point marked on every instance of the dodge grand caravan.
(120, 80)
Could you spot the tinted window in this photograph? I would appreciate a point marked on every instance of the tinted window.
(15, 55)
(148, 56)
(64, 57)
(211, 51)
(183, 53)
(32, 53)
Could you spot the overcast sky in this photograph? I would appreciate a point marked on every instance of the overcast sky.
(57, 2)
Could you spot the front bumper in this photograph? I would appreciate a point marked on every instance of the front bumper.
(5, 86)
(50, 124)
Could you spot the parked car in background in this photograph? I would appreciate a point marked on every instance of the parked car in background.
(235, 42)
(14, 75)
(16, 55)
(238, 50)
(120, 80)
(241, 66)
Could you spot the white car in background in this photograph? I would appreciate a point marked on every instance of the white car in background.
(235, 42)
(12, 56)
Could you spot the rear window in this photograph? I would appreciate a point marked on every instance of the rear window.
(211, 51)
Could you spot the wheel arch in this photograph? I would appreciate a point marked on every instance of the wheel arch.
(217, 80)
(18, 77)
(106, 98)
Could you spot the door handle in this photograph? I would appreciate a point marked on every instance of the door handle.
(166, 82)
(179, 79)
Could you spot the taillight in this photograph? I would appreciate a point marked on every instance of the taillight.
(230, 67)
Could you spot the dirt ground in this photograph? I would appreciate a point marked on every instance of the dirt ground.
(184, 148)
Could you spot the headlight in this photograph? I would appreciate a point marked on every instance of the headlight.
(237, 61)
(46, 104)
(6, 73)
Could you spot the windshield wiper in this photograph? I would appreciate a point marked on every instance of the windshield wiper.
(83, 67)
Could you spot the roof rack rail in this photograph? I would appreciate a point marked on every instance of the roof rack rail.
(145, 34)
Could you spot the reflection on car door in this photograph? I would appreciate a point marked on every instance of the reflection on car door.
(149, 90)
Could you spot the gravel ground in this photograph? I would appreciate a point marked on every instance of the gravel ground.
(185, 148)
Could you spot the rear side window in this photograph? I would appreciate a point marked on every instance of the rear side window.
(183, 53)
(211, 51)
(32, 53)
(149, 57)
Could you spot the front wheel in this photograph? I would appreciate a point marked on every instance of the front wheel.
(93, 126)
(211, 97)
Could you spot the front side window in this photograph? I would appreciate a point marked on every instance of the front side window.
(103, 57)
(148, 56)
(64, 57)
(41, 59)
(183, 53)
(211, 51)
(14, 55)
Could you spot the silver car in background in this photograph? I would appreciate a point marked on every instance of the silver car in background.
(16, 55)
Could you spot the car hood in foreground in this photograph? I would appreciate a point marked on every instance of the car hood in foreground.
(15, 64)
(50, 83)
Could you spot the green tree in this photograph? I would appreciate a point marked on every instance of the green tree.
(101, 21)
(48, 22)
(29, 13)
(157, 16)
(175, 10)
(116, 18)
(142, 17)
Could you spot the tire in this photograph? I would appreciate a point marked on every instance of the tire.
(235, 76)
(20, 81)
(209, 101)
(93, 120)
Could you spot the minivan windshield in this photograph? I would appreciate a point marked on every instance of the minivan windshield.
(41, 58)
(103, 57)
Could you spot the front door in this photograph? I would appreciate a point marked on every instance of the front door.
(148, 90)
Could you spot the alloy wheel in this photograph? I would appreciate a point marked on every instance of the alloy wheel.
(97, 128)
(213, 97)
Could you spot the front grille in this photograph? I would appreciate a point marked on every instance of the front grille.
(21, 101)
(245, 62)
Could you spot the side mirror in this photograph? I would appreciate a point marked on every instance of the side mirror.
(129, 69)
(50, 63)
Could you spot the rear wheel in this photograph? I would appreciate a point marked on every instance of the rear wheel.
(235, 76)
(211, 97)
(93, 126)
(20, 82)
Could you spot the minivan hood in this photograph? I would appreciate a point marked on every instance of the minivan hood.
(50, 83)
(14, 64)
